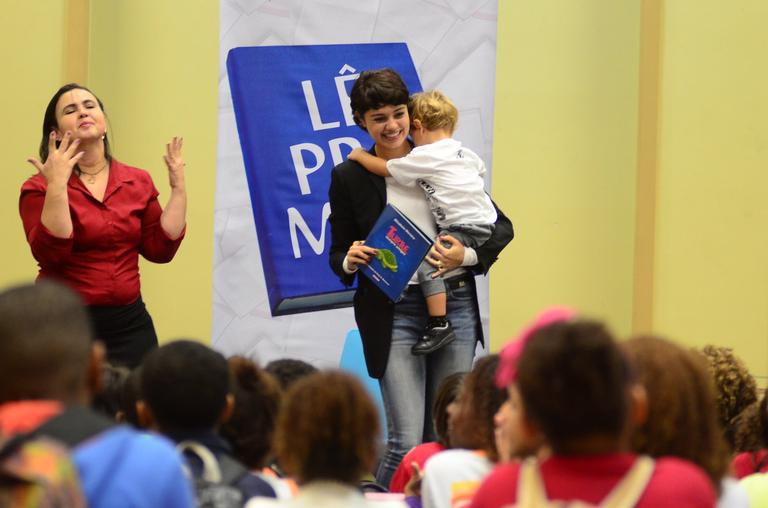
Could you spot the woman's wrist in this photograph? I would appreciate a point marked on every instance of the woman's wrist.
(56, 188)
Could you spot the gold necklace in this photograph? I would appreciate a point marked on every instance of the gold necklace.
(92, 176)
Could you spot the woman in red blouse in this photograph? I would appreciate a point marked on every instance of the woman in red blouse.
(87, 218)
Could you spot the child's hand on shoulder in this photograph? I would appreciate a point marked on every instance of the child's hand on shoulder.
(354, 155)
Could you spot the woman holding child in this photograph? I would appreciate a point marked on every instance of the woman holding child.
(379, 101)
(87, 217)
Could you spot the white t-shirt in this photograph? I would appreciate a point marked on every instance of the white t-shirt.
(451, 176)
(452, 477)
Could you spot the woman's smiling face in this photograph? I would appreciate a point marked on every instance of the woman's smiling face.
(387, 125)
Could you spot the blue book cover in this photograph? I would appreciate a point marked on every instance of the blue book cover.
(294, 123)
(402, 246)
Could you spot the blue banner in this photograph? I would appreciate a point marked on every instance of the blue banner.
(294, 123)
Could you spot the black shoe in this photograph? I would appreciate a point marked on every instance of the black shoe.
(434, 338)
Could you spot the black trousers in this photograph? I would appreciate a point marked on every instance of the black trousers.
(127, 331)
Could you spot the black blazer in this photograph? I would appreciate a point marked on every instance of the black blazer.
(357, 198)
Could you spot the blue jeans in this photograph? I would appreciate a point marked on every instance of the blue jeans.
(410, 382)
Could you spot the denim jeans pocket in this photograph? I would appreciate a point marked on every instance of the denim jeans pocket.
(463, 291)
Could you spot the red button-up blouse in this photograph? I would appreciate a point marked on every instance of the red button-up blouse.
(100, 259)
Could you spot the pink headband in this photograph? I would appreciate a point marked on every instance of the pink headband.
(511, 352)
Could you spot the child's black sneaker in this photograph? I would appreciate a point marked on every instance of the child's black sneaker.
(434, 338)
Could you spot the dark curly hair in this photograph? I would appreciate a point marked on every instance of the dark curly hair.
(478, 402)
(574, 382)
(735, 387)
(327, 429)
(751, 427)
(682, 412)
(257, 400)
(288, 370)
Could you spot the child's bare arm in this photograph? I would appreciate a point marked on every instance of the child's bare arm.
(374, 164)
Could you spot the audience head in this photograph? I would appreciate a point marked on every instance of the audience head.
(575, 385)
(252, 425)
(682, 413)
(447, 393)
(478, 401)
(113, 379)
(751, 426)
(130, 395)
(506, 374)
(433, 111)
(46, 349)
(185, 386)
(375, 89)
(327, 429)
(289, 370)
(735, 387)
(515, 436)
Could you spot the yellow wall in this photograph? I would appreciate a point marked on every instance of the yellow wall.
(633, 165)
(565, 140)
(712, 214)
(31, 35)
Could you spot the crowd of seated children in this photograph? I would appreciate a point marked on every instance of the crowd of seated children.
(452, 476)
(250, 430)
(682, 416)
(186, 394)
(327, 438)
(563, 414)
(577, 389)
(49, 370)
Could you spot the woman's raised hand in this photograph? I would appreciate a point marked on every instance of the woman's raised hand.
(175, 162)
(60, 162)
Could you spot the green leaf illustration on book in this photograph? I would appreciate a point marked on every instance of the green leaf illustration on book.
(387, 259)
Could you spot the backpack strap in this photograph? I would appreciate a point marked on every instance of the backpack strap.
(74, 425)
(12, 445)
(232, 471)
(223, 470)
(531, 492)
(629, 490)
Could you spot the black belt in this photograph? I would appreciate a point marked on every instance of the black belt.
(455, 282)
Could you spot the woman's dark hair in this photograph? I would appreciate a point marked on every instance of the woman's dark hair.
(574, 382)
(376, 89)
(328, 428)
(682, 409)
(478, 402)
(50, 123)
(257, 400)
(446, 393)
